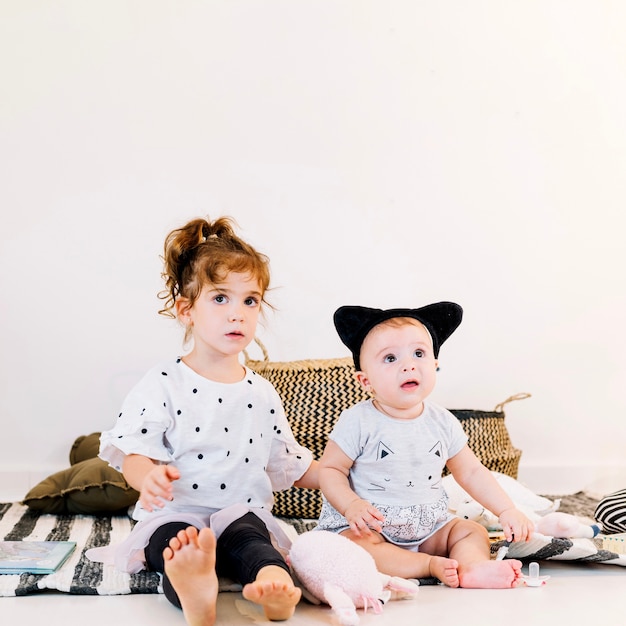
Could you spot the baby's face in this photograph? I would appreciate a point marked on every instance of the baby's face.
(398, 366)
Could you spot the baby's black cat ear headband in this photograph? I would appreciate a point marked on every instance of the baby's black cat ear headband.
(354, 322)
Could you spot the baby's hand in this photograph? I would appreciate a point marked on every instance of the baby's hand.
(362, 516)
(157, 486)
(516, 526)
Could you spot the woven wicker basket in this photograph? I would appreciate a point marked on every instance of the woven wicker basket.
(489, 437)
(315, 392)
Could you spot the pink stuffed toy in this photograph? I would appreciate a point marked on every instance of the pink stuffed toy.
(564, 525)
(342, 574)
(555, 524)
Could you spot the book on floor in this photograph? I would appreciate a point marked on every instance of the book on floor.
(34, 557)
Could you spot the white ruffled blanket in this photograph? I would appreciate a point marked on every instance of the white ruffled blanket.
(540, 547)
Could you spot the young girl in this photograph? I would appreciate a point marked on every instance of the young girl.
(382, 467)
(205, 440)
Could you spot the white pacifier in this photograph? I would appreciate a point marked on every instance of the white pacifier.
(533, 579)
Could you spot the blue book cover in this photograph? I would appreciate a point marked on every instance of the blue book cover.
(33, 557)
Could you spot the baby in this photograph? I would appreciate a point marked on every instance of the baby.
(381, 471)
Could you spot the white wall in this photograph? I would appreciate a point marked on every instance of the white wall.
(385, 153)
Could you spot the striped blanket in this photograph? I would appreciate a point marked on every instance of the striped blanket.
(78, 575)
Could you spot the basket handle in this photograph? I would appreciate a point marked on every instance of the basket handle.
(518, 396)
(266, 356)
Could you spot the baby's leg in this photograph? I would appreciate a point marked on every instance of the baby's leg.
(274, 590)
(468, 543)
(190, 568)
(396, 561)
(503, 574)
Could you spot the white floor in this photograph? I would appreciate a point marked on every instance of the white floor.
(591, 594)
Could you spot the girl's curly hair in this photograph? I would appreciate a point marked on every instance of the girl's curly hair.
(204, 252)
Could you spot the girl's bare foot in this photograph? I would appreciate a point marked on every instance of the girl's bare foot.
(446, 570)
(503, 574)
(274, 590)
(190, 567)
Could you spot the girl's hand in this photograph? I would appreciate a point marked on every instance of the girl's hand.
(156, 487)
(362, 516)
(516, 526)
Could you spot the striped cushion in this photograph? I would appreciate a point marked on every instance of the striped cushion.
(611, 512)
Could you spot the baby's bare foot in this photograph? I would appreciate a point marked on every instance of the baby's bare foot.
(190, 567)
(274, 590)
(503, 574)
(446, 570)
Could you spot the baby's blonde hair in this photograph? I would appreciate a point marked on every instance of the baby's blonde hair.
(203, 253)
(398, 322)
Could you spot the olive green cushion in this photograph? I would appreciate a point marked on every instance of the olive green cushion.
(85, 447)
(90, 485)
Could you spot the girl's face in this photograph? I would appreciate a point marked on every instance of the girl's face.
(224, 317)
(398, 368)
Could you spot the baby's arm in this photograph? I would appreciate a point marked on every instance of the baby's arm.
(310, 479)
(333, 472)
(151, 480)
(480, 483)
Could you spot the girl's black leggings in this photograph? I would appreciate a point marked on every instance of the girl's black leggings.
(242, 550)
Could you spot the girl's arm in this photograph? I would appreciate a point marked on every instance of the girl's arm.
(480, 483)
(333, 473)
(152, 480)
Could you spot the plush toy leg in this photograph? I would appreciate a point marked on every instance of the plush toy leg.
(565, 525)
(341, 604)
(396, 588)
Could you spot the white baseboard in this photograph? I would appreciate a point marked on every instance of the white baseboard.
(15, 484)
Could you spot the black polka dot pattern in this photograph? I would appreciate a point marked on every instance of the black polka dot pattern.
(222, 440)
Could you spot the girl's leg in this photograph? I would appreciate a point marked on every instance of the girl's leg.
(154, 555)
(245, 553)
(393, 560)
(186, 558)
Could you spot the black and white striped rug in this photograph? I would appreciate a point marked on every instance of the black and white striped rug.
(78, 575)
